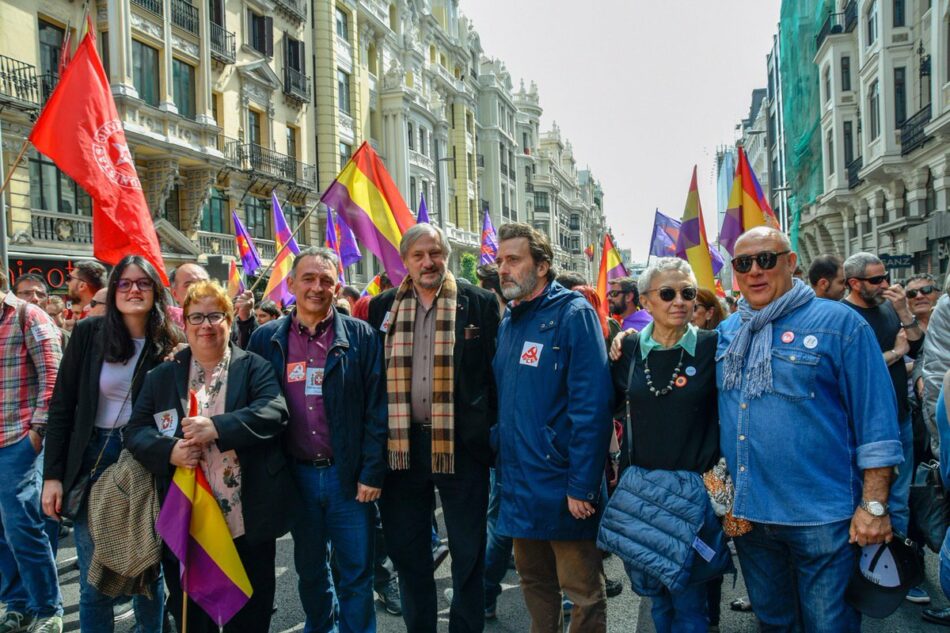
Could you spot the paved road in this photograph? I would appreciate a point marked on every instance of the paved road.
(626, 613)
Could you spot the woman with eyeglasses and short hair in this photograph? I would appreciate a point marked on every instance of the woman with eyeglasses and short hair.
(667, 375)
(235, 439)
(708, 313)
(102, 371)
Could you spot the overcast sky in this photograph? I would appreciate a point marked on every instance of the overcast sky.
(644, 89)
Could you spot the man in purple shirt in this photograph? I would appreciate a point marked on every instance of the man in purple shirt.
(330, 368)
(624, 302)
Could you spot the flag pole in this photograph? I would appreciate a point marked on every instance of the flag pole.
(16, 163)
(184, 611)
(292, 236)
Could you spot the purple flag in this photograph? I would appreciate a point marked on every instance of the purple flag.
(489, 241)
(250, 260)
(423, 215)
(666, 232)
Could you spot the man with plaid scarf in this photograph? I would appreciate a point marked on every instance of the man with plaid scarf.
(439, 342)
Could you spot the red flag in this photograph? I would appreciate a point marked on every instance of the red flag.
(81, 132)
(64, 52)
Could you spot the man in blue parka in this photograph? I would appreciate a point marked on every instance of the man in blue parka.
(553, 432)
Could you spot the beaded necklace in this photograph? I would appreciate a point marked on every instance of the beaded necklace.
(665, 390)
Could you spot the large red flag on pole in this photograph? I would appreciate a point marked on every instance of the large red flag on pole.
(80, 131)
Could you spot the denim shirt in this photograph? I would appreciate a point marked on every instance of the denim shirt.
(797, 454)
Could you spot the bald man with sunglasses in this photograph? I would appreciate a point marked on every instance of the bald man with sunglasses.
(808, 427)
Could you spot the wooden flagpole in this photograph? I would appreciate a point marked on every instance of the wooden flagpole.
(292, 236)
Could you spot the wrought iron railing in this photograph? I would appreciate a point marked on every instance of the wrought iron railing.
(155, 6)
(854, 168)
(18, 81)
(223, 46)
(295, 7)
(850, 16)
(185, 16)
(912, 131)
(296, 84)
(254, 158)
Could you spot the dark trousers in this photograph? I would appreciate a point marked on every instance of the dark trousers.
(406, 507)
(258, 561)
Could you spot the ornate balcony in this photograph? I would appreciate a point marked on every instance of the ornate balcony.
(295, 8)
(60, 227)
(912, 131)
(223, 46)
(250, 157)
(216, 243)
(854, 168)
(155, 6)
(18, 84)
(296, 85)
(185, 16)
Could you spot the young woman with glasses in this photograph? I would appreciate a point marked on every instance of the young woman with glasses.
(101, 373)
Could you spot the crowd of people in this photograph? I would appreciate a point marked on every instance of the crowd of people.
(785, 426)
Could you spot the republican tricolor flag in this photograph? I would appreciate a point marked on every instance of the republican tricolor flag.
(748, 206)
(193, 527)
(235, 283)
(286, 248)
(611, 267)
(489, 248)
(250, 260)
(372, 288)
(691, 243)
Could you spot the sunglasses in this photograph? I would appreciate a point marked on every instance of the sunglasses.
(668, 294)
(876, 280)
(926, 290)
(93, 303)
(197, 318)
(616, 293)
(766, 261)
(144, 284)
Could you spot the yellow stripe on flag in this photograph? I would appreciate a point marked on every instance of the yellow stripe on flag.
(364, 193)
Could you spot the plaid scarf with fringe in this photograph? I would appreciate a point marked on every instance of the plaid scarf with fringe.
(399, 376)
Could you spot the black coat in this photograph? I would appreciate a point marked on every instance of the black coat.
(475, 399)
(72, 410)
(254, 419)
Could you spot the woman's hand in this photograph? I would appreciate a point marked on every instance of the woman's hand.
(171, 355)
(616, 346)
(199, 430)
(184, 454)
(52, 499)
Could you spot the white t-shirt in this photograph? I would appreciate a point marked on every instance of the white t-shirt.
(115, 384)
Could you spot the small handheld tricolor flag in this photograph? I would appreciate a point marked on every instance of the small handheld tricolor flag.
(489, 241)
(192, 525)
(332, 241)
(235, 283)
(589, 251)
(423, 215)
(691, 243)
(366, 198)
(372, 288)
(748, 206)
(611, 267)
(666, 232)
(250, 260)
(286, 248)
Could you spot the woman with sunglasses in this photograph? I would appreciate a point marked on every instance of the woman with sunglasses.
(708, 313)
(103, 369)
(234, 439)
(667, 374)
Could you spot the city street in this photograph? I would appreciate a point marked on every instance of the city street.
(626, 613)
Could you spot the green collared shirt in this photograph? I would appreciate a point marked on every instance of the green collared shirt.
(687, 341)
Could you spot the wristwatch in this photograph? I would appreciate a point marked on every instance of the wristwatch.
(907, 326)
(874, 508)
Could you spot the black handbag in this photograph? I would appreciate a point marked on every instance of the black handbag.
(929, 504)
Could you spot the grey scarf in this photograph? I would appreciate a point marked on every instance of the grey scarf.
(752, 345)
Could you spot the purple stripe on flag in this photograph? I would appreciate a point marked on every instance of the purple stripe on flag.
(338, 197)
(173, 521)
(616, 272)
(688, 238)
(210, 588)
(731, 229)
(349, 251)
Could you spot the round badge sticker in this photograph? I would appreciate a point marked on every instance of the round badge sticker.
(810, 342)
(680, 381)
(691, 371)
(788, 337)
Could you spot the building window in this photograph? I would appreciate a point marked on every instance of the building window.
(900, 96)
(260, 30)
(294, 216)
(412, 192)
(874, 108)
(254, 127)
(930, 202)
(848, 142)
(292, 142)
(51, 42)
(412, 136)
(257, 214)
(830, 143)
(145, 72)
(872, 23)
(346, 151)
(541, 201)
(845, 74)
(53, 190)
(295, 56)
(827, 82)
(423, 141)
(183, 88)
(343, 91)
(899, 13)
(215, 212)
(342, 25)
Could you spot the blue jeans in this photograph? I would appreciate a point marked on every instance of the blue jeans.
(328, 516)
(28, 581)
(684, 612)
(797, 575)
(497, 548)
(899, 498)
(95, 607)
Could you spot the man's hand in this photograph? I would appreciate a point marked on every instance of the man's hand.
(615, 346)
(867, 529)
(185, 454)
(901, 345)
(244, 303)
(36, 441)
(367, 494)
(52, 499)
(580, 509)
(895, 294)
(199, 430)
